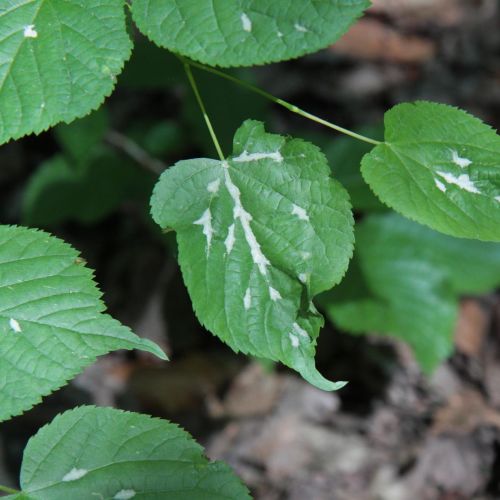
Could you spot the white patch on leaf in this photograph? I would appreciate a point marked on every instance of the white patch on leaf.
(124, 495)
(299, 330)
(462, 181)
(300, 28)
(75, 474)
(246, 22)
(213, 187)
(246, 156)
(280, 35)
(294, 340)
(247, 299)
(30, 31)
(305, 255)
(240, 213)
(15, 326)
(304, 278)
(440, 185)
(230, 239)
(497, 198)
(461, 162)
(206, 222)
(274, 294)
(300, 212)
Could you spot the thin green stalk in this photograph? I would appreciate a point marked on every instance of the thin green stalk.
(281, 102)
(192, 81)
(6, 489)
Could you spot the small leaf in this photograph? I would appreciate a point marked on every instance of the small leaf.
(441, 167)
(245, 32)
(259, 236)
(106, 453)
(51, 320)
(58, 61)
(405, 281)
(59, 191)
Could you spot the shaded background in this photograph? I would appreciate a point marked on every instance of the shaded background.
(392, 433)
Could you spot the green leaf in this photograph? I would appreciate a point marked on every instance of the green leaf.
(80, 138)
(245, 32)
(58, 60)
(51, 320)
(58, 191)
(441, 167)
(259, 236)
(111, 454)
(405, 281)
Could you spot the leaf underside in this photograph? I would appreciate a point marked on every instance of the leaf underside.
(245, 32)
(58, 60)
(111, 454)
(406, 280)
(439, 166)
(51, 319)
(259, 236)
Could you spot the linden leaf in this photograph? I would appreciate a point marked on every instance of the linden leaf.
(245, 32)
(405, 280)
(58, 60)
(259, 236)
(51, 319)
(106, 453)
(439, 166)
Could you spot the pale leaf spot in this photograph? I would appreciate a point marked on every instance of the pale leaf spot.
(461, 162)
(246, 22)
(299, 330)
(300, 28)
(240, 213)
(247, 299)
(124, 495)
(440, 185)
(462, 181)
(230, 239)
(75, 474)
(294, 340)
(246, 157)
(30, 31)
(304, 277)
(206, 222)
(300, 212)
(15, 326)
(280, 35)
(497, 198)
(305, 255)
(274, 294)
(213, 187)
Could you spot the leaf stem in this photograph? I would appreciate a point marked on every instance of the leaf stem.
(192, 81)
(6, 489)
(281, 102)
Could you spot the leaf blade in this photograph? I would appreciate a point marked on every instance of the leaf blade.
(51, 319)
(247, 32)
(277, 231)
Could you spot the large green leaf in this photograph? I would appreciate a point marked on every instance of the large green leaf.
(51, 320)
(441, 167)
(114, 455)
(58, 60)
(405, 281)
(245, 32)
(259, 235)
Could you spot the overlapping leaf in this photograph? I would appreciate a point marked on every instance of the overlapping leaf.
(441, 167)
(405, 280)
(51, 320)
(245, 32)
(259, 236)
(105, 453)
(58, 60)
